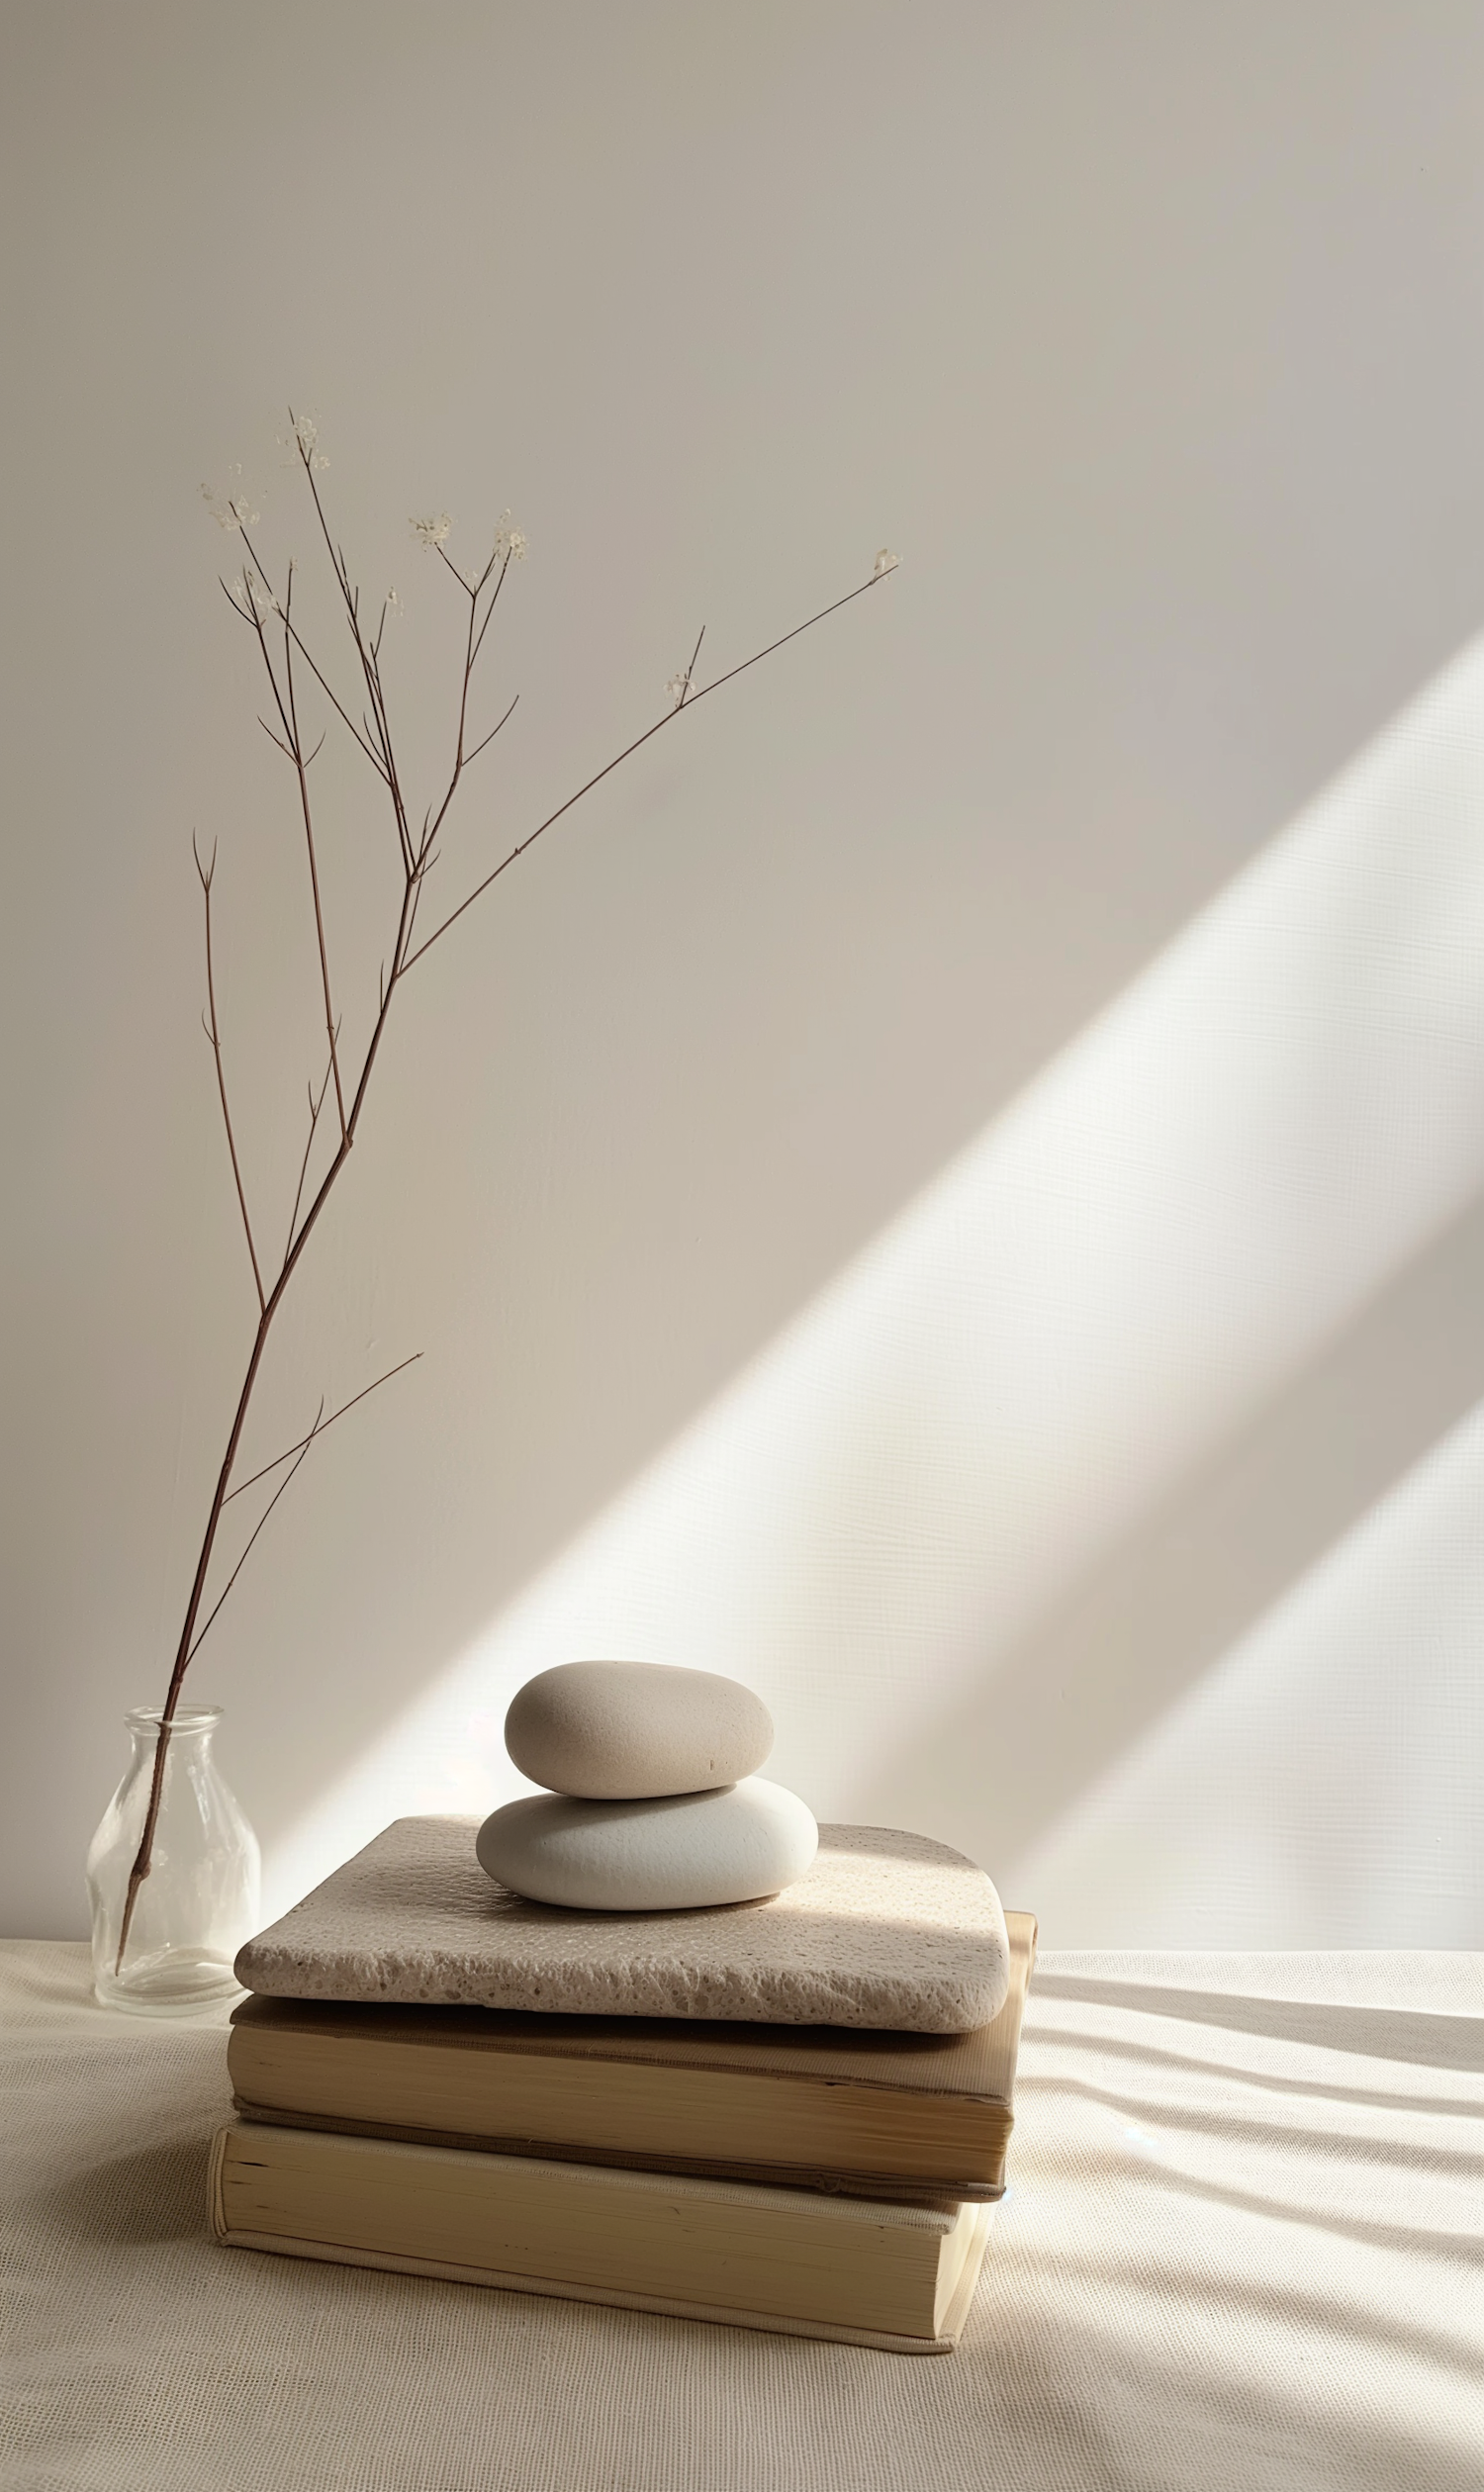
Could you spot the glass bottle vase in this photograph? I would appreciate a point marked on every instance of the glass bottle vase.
(199, 1902)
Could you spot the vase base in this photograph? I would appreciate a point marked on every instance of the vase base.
(177, 1985)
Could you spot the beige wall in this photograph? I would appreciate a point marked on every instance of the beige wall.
(952, 1188)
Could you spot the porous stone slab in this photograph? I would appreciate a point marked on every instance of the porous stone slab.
(885, 1930)
(635, 1729)
(651, 1855)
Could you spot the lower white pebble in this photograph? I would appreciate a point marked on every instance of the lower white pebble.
(671, 1855)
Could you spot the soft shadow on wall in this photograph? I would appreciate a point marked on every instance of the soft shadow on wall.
(1066, 1522)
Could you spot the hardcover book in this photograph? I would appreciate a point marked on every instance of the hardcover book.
(900, 2277)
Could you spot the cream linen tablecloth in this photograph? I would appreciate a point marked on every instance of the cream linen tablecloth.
(1244, 2247)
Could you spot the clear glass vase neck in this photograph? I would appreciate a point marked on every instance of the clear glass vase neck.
(189, 1722)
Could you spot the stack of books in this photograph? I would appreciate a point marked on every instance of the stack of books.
(824, 2179)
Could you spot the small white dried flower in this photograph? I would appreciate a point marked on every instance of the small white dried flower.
(252, 596)
(678, 687)
(885, 561)
(509, 542)
(432, 531)
(394, 603)
(231, 506)
(300, 443)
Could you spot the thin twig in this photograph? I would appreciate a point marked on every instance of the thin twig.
(687, 678)
(418, 879)
(489, 738)
(314, 1106)
(452, 566)
(206, 873)
(325, 687)
(318, 1431)
(351, 599)
(302, 771)
(494, 599)
(372, 756)
(670, 715)
(247, 1552)
(256, 621)
(433, 823)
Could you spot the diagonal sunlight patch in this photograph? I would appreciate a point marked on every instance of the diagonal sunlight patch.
(1178, 1213)
(1320, 1787)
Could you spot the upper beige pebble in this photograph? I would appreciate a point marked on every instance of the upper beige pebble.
(635, 1730)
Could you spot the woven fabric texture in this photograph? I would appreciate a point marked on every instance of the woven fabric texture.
(1243, 2250)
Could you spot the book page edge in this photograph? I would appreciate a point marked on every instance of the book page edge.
(961, 2299)
(937, 2190)
(936, 2215)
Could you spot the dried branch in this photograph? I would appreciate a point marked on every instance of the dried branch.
(377, 744)
(327, 688)
(433, 823)
(256, 1528)
(351, 600)
(494, 598)
(589, 784)
(688, 679)
(206, 873)
(364, 742)
(302, 772)
(451, 565)
(315, 1105)
(489, 738)
(318, 1431)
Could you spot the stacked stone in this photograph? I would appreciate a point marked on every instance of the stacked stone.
(652, 1801)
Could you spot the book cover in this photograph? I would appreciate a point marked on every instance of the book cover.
(900, 2277)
